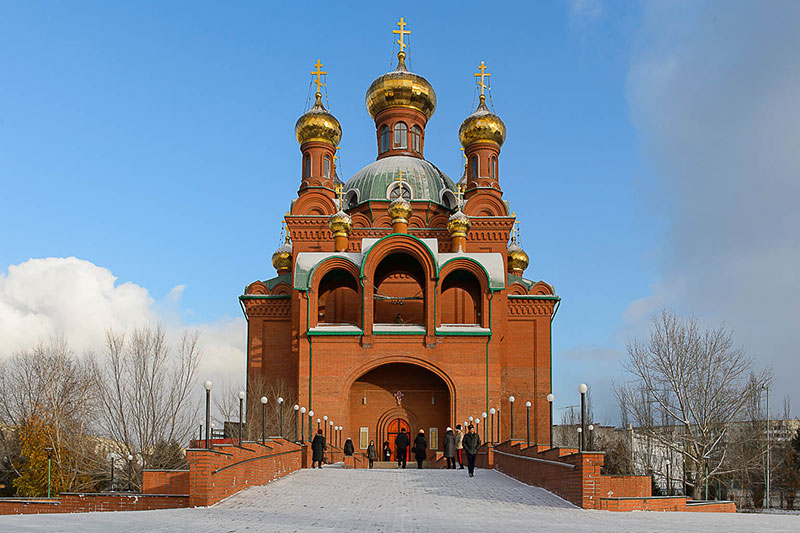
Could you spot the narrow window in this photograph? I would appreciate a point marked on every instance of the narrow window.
(326, 166)
(307, 165)
(473, 167)
(494, 168)
(400, 135)
(416, 137)
(384, 138)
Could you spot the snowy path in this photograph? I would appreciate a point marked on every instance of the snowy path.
(333, 499)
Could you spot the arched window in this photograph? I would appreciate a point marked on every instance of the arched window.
(307, 165)
(399, 296)
(400, 135)
(461, 299)
(398, 190)
(326, 166)
(384, 138)
(493, 166)
(416, 139)
(473, 167)
(339, 301)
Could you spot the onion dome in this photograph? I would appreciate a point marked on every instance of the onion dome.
(400, 210)
(458, 224)
(482, 126)
(317, 124)
(340, 224)
(517, 258)
(282, 258)
(401, 88)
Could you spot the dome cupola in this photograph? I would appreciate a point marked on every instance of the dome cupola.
(282, 257)
(518, 260)
(317, 124)
(401, 88)
(482, 126)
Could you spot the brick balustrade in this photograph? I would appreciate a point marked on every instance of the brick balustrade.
(92, 502)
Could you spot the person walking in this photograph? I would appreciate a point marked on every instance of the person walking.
(460, 446)
(372, 453)
(318, 448)
(401, 445)
(387, 451)
(472, 443)
(450, 448)
(420, 448)
(348, 447)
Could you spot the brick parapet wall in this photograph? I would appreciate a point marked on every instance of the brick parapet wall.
(165, 482)
(94, 502)
(219, 473)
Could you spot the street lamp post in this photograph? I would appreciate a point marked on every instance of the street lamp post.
(280, 408)
(330, 431)
(591, 437)
(130, 473)
(296, 421)
(528, 423)
(212, 437)
(484, 415)
(325, 426)
(49, 451)
(310, 421)
(492, 411)
(550, 400)
(511, 400)
(111, 488)
(208, 386)
(669, 485)
(766, 388)
(580, 439)
(264, 420)
(241, 406)
(319, 421)
(582, 388)
(302, 424)
(478, 428)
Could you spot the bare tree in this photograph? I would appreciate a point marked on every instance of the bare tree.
(694, 379)
(272, 389)
(50, 389)
(146, 390)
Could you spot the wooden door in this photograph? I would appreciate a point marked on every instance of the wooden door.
(393, 430)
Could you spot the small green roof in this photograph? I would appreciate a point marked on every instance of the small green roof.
(427, 182)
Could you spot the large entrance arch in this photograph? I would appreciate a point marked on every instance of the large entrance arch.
(395, 395)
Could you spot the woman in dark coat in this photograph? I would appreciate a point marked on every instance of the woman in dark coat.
(372, 453)
(450, 448)
(318, 448)
(348, 447)
(420, 448)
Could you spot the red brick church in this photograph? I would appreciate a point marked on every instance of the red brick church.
(399, 299)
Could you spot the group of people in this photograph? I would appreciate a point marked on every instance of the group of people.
(457, 444)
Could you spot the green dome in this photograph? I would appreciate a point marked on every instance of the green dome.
(377, 180)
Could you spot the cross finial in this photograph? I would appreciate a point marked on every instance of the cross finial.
(399, 177)
(460, 194)
(482, 75)
(402, 32)
(318, 73)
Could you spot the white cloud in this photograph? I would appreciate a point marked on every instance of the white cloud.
(80, 300)
(713, 92)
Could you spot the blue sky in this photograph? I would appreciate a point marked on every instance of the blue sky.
(154, 142)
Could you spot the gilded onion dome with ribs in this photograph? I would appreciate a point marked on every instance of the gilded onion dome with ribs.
(517, 258)
(458, 224)
(400, 209)
(317, 124)
(282, 257)
(401, 88)
(482, 126)
(340, 224)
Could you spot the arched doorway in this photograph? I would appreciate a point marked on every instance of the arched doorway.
(399, 395)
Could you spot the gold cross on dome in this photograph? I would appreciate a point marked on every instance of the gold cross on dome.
(402, 32)
(318, 73)
(482, 75)
(399, 177)
(459, 195)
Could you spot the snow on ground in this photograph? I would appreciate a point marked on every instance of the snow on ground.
(333, 499)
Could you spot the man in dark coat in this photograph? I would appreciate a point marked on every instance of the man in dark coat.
(401, 444)
(450, 448)
(472, 443)
(318, 448)
(420, 448)
(348, 447)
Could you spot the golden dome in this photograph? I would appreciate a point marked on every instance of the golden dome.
(400, 210)
(282, 258)
(517, 258)
(340, 224)
(317, 124)
(458, 224)
(482, 126)
(401, 88)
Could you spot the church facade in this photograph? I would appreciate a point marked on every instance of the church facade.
(399, 300)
